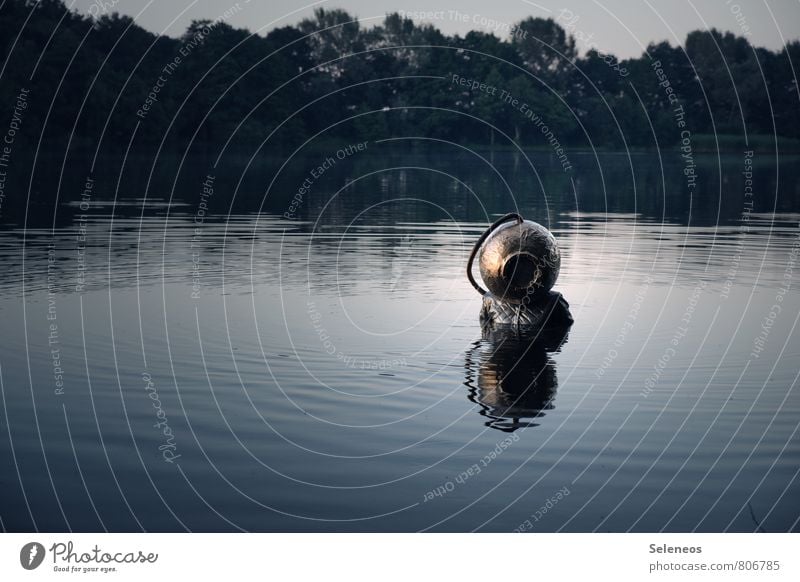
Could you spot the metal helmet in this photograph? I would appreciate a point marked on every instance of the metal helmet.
(517, 259)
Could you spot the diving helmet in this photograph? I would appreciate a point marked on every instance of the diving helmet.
(518, 259)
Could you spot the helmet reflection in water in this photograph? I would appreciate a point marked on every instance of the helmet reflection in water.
(512, 377)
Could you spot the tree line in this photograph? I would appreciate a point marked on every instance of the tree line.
(105, 81)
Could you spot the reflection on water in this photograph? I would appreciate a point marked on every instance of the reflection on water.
(406, 185)
(511, 375)
(313, 371)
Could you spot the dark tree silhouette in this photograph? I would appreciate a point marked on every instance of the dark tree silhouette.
(108, 82)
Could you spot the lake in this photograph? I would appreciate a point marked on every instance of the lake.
(291, 344)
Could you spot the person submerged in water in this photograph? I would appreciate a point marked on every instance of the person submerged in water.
(519, 263)
(544, 309)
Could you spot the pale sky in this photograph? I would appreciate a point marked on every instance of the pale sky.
(620, 27)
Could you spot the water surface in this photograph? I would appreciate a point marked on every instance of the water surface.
(229, 367)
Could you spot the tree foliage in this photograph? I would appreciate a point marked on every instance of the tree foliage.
(109, 81)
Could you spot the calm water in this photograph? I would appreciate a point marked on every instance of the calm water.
(326, 372)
